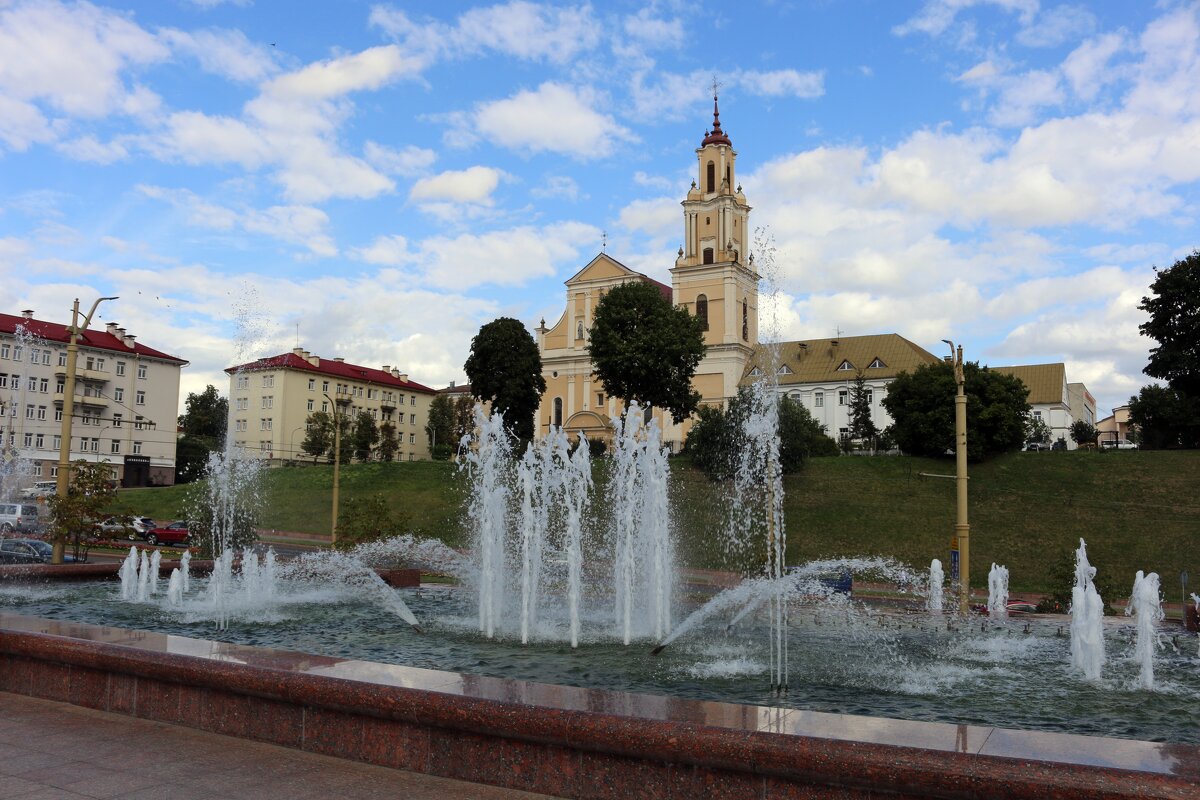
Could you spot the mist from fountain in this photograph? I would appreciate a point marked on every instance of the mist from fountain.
(937, 579)
(175, 588)
(1087, 619)
(16, 463)
(998, 592)
(128, 574)
(1146, 605)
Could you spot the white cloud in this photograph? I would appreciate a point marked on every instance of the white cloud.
(471, 185)
(557, 186)
(553, 118)
(530, 31)
(88, 148)
(653, 181)
(937, 16)
(510, 257)
(1056, 26)
(387, 250)
(1087, 68)
(1023, 96)
(660, 218)
(654, 32)
(667, 95)
(805, 85)
(227, 53)
(408, 161)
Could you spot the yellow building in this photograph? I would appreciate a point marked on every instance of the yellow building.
(271, 399)
(713, 278)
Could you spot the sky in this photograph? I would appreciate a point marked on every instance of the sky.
(377, 180)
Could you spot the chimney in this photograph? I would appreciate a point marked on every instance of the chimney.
(27, 313)
(451, 384)
(314, 360)
(403, 376)
(340, 360)
(395, 372)
(948, 359)
(298, 351)
(112, 329)
(129, 340)
(386, 368)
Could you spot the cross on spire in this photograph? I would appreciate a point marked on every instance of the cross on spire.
(715, 86)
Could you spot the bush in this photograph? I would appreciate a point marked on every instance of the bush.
(1062, 577)
(367, 519)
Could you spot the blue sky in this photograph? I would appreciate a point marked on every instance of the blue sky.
(386, 177)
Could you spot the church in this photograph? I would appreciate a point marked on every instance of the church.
(713, 278)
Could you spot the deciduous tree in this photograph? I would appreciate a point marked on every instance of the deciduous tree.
(318, 435)
(644, 349)
(1174, 309)
(71, 517)
(505, 369)
(364, 436)
(1083, 432)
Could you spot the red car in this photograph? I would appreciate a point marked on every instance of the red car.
(175, 533)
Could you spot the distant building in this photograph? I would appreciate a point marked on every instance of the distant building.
(125, 408)
(271, 399)
(1115, 427)
(1052, 400)
(819, 373)
(1083, 405)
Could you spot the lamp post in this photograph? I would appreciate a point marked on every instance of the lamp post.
(337, 464)
(64, 450)
(962, 528)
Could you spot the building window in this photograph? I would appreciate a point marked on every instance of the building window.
(311, 403)
(32, 384)
(818, 400)
(599, 399)
(412, 438)
(3, 380)
(120, 368)
(3, 351)
(324, 386)
(44, 385)
(242, 382)
(56, 442)
(18, 353)
(784, 369)
(57, 414)
(312, 384)
(119, 395)
(28, 412)
(712, 178)
(141, 372)
(412, 419)
(29, 440)
(870, 396)
(60, 387)
(268, 381)
(41, 412)
(843, 394)
(412, 401)
(137, 448)
(115, 446)
(324, 407)
(845, 366)
(62, 362)
(268, 401)
(558, 412)
(137, 423)
(745, 321)
(116, 420)
(708, 255)
(877, 364)
(141, 398)
(702, 311)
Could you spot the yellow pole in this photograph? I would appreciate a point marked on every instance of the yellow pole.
(961, 527)
(337, 465)
(64, 448)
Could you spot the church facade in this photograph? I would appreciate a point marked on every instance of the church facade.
(713, 278)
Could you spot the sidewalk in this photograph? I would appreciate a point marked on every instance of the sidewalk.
(54, 751)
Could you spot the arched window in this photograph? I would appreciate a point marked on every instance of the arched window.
(708, 255)
(558, 412)
(727, 175)
(745, 321)
(712, 177)
(702, 310)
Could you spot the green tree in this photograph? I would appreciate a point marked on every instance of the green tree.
(439, 429)
(921, 404)
(505, 369)
(1083, 432)
(71, 517)
(363, 436)
(318, 435)
(191, 458)
(1165, 418)
(861, 424)
(1036, 430)
(205, 416)
(366, 519)
(389, 442)
(1174, 310)
(643, 349)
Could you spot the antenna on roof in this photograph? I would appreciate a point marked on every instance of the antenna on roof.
(297, 334)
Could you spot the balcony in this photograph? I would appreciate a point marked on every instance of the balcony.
(85, 401)
(82, 374)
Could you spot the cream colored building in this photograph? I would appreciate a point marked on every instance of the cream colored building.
(1049, 397)
(713, 278)
(271, 399)
(125, 407)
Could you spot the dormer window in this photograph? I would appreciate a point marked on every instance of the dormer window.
(845, 366)
(756, 373)
(877, 364)
(784, 369)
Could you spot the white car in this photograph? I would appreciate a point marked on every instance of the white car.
(1118, 445)
(39, 489)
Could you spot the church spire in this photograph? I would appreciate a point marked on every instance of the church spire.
(717, 136)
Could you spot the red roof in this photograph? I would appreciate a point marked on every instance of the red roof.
(326, 366)
(95, 339)
(666, 291)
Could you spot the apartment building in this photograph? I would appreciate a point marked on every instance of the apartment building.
(270, 401)
(125, 406)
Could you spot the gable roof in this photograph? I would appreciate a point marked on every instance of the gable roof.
(817, 360)
(605, 259)
(91, 338)
(331, 367)
(1045, 381)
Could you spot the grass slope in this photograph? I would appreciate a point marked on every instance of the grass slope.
(1137, 510)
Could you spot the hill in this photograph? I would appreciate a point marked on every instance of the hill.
(1136, 510)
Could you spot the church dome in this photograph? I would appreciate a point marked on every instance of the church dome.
(716, 135)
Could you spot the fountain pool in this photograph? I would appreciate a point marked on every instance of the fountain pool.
(844, 657)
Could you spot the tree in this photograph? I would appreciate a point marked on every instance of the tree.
(715, 441)
(389, 443)
(1165, 418)
(440, 427)
(505, 369)
(363, 436)
(1083, 432)
(1174, 323)
(205, 416)
(861, 424)
(921, 404)
(318, 435)
(90, 493)
(1036, 430)
(643, 349)
(365, 519)
(191, 458)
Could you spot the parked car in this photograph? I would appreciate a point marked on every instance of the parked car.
(19, 518)
(27, 551)
(39, 489)
(1034, 447)
(175, 533)
(123, 527)
(1114, 444)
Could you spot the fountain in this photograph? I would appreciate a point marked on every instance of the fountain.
(1087, 619)
(937, 579)
(998, 593)
(1146, 605)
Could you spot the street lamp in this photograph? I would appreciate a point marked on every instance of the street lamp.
(337, 465)
(962, 529)
(64, 450)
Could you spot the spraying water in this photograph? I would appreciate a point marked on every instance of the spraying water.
(937, 579)
(1087, 614)
(175, 588)
(1146, 605)
(185, 568)
(998, 592)
(155, 567)
(489, 461)
(129, 575)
